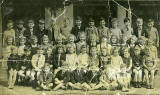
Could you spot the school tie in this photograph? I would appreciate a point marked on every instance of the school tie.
(38, 60)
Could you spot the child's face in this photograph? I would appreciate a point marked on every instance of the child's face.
(136, 52)
(66, 22)
(45, 41)
(93, 51)
(71, 39)
(102, 23)
(141, 42)
(83, 50)
(40, 51)
(132, 41)
(59, 42)
(49, 50)
(114, 24)
(126, 53)
(104, 40)
(139, 23)
(30, 25)
(20, 26)
(22, 42)
(115, 52)
(78, 22)
(71, 50)
(35, 41)
(27, 53)
(114, 40)
(60, 50)
(150, 24)
(91, 23)
(82, 38)
(10, 25)
(41, 26)
(47, 69)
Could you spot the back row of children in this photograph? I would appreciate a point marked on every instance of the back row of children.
(99, 58)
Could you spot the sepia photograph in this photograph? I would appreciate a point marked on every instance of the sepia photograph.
(79, 47)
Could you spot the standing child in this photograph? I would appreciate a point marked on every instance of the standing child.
(149, 63)
(115, 31)
(34, 45)
(12, 67)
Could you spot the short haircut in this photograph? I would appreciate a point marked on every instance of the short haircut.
(150, 20)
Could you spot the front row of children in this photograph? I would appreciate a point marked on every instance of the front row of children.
(83, 71)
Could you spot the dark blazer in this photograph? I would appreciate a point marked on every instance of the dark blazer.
(136, 32)
(13, 62)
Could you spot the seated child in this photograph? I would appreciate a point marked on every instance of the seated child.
(104, 58)
(38, 61)
(25, 68)
(93, 65)
(80, 72)
(21, 46)
(116, 60)
(137, 67)
(45, 78)
(127, 59)
(124, 78)
(12, 67)
(149, 64)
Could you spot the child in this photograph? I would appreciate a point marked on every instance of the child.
(152, 32)
(127, 30)
(81, 42)
(34, 45)
(65, 30)
(104, 44)
(149, 64)
(137, 67)
(49, 56)
(7, 50)
(30, 29)
(12, 67)
(25, 67)
(153, 48)
(9, 32)
(115, 31)
(45, 44)
(116, 60)
(131, 42)
(45, 78)
(21, 45)
(104, 58)
(103, 30)
(80, 72)
(20, 29)
(92, 42)
(38, 61)
(127, 60)
(114, 41)
(92, 30)
(93, 65)
(59, 42)
(71, 40)
(124, 78)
